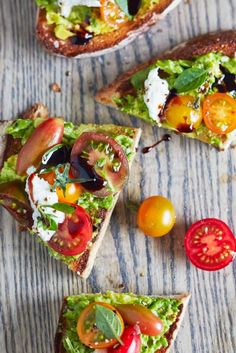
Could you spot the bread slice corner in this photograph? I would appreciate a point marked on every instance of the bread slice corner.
(170, 335)
(104, 43)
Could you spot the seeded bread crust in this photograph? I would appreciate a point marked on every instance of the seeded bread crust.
(170, 335)
(9, 146)
(104, 43)
(224, 42)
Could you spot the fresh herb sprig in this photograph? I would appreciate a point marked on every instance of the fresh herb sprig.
(47, 221)
(108, 322)
(62, 177)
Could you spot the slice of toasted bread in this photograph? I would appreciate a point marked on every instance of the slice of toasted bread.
(170, 335)
(9, 146)
(104, 43)
(223, 42)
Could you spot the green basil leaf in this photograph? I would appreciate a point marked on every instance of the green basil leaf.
(123, 5)
(108, 322)
(138, 79)
(63, 207)
(190, 79)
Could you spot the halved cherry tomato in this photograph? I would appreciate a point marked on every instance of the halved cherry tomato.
(100, 160)
(183, 114)
(131, 341)
(210, 244)
(46, 135)
(14, 198)
(156, 216)
(72, 192)
(149, 323)
(219, 113)
(87, 331)
(111, 13)
(74, 234)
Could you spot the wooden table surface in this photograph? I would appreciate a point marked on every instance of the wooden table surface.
(199, 180)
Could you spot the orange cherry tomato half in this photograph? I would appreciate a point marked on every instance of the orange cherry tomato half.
(219, 113)
(45, 136)
(72, 192)
(87, 331)
(74, 234)
(182, 114)
(210, 244)
(111, 13)
(149, 323)
(156, 216)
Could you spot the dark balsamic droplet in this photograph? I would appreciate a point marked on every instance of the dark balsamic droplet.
(147, 149)
(87, 172)
(227, 83)
(58, 156)
(185, 128)
(81, 37)
(134, 6)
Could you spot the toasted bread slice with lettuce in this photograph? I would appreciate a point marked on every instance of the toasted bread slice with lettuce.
(99, 27)
(20, 191)
(170, 310)
(199, 76)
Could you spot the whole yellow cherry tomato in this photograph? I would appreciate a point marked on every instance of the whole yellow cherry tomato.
(156, 216)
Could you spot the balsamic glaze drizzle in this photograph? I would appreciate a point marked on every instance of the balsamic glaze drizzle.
(147, 149)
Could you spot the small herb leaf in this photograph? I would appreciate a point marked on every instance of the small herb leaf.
(138, 79)
(63, 207)
(123, 5)
(190, 79)
(108, 322)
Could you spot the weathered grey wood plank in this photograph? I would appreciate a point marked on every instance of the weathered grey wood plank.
(200, 181)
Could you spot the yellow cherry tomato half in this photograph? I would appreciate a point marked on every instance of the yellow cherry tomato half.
(72, 192)
(183, 114)
(156, 216)
(219, 113)
(111, 13)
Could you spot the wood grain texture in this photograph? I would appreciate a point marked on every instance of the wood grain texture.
(200, 181)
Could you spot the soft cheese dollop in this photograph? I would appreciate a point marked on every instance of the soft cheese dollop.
(41, 194)
(156, 93)
(66, 5)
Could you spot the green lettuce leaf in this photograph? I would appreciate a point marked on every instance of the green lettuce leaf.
(230, 65)
(8, 171)
(23, 128)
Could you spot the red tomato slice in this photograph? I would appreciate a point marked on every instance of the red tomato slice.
(100, 160)
(74, 234)
(210, 244)
(219, 113)
(149, 323)
(45, 136)
(87, 331)
(131, 341)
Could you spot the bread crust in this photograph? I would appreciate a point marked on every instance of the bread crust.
(224, 42)
(101, 44)
(170, 335)
(9, 146)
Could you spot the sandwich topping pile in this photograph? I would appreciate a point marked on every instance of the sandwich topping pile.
(64, 179)
(194, 97)
(117, 323)
(81, 20)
